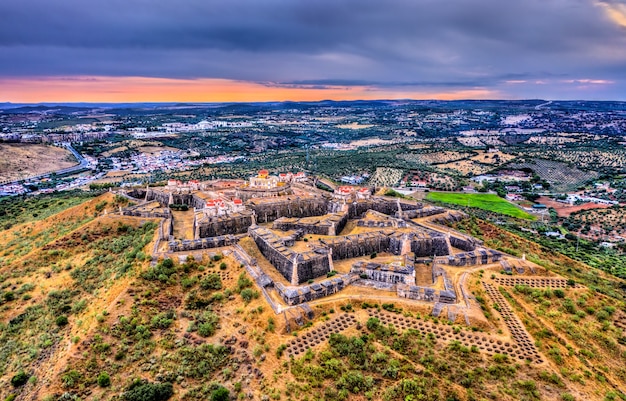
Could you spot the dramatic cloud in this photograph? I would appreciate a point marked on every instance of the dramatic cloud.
(406, 46)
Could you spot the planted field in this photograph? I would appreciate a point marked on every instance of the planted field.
(562, 176)
(489, 202)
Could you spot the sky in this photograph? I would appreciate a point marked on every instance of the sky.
(273, 50)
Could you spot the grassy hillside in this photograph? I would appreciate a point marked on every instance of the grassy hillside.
(489, 202)
(83, 314)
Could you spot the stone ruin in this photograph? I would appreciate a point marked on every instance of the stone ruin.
(268, 210)
(426, 294)
(305, 293)
(376, 219)
(423, 212)
(386, 273)
(463, 242)
(203, 243)
(212, 226)
(318, 213)
(329, 224)
(248, 193)
(296, 267)
(478, 257)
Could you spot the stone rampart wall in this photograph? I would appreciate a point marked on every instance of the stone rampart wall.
(280, 260)
(266, 212)
(223, 225)
(204, 243)
(248, 193)
(357, 245)
(430, 246)
(465, 243)
(479, 257)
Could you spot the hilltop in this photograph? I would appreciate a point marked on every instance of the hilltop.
(85, 313)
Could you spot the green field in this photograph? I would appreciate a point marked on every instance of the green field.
(489, 202)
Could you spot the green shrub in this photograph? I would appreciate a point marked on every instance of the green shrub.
(567, 397)
(19, 379)
(602, 315)
(8, 296)
(500, 358)
(163, 320)
(279, 351)
(220, 394)
(144, 391)
(249, 294)
(207, 324)
(162, 271)
(104, 380)
(243, 282)
(211, 282)
(70, 379)
(559, 293)
(61, 320)
(373, 323)
(223, 266)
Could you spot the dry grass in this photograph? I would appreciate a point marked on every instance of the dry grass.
(26, 160)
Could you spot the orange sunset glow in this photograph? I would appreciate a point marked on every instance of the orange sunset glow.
(140, 89)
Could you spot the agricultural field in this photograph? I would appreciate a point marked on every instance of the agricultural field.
(440, 157)
(433, 180)
(386, 177)
(26, 160)
(460, 162)
(611, 159)
(599, 224)
(565, 209)
(562, 176)
(466, 167)
(493, 158)
(489, 202)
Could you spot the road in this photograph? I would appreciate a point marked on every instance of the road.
(539, 106)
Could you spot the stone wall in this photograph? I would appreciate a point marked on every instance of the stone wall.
(297, 268)
(306, 293)
(211, 226)
(149, 215)
(479, 257)
(357, 245)
(424, 246)
(425, 294)
(383, 205)
(330, 224)
(384, 273)
(248, 193)
(165, 197)
(274, 251)
(267, 211)
(205, 243)
(423, 212)
(464, 243)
